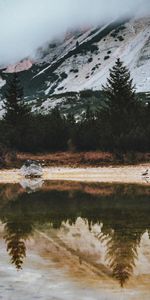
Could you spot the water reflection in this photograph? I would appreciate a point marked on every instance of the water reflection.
(15, 235)
(120, 212)
(32, 185)
(122, 253)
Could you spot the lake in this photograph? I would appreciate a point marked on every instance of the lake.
(74, 241)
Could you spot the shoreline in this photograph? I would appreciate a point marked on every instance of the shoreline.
(131, 174)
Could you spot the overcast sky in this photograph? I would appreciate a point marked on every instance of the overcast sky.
(28, 24)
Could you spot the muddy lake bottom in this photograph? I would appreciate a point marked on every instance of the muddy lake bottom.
(66, 240)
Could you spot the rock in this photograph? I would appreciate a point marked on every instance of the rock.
(31, 169)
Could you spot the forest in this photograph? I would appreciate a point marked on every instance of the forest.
(120, 125)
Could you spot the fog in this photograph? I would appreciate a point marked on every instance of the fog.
(28, 24)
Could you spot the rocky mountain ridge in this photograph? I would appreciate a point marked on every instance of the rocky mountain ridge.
(82, 60)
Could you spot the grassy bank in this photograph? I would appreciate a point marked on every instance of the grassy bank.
(80, 159)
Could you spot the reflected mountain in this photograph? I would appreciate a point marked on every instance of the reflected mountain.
(122, 210)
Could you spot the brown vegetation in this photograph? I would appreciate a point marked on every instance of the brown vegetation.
(71, 159)
(83, 159)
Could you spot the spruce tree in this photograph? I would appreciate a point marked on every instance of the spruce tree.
(121, 104)
(16, 110)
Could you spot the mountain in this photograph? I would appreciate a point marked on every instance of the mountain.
(69, 73)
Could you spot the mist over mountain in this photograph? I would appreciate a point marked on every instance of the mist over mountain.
(28, 24)
(80, 62)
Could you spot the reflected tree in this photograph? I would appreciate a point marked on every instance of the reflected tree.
(15, 236)
(122, 252)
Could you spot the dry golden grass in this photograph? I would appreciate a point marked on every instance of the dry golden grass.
(82, 159)
(72, 159)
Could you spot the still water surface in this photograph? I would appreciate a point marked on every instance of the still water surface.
(74, 241)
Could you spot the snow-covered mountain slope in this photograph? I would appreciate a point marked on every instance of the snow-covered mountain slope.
(89, 70)
(82, 60)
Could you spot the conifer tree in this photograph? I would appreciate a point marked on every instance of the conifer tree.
(121, 104)
(16, 110)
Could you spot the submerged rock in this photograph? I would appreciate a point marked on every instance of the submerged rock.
(31, 169)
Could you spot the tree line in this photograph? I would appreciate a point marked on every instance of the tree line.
(120, 125)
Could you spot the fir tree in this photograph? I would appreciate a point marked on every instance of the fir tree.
(121, 104)
(16, 110)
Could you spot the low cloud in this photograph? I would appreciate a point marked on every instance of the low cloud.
(28, 24)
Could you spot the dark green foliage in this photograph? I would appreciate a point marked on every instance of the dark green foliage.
(121, 100)
(117, 31)
(119, 124)
(46, 133)
(63, 75)
(87, 134)
(122, 124)
(90, 59)
(14, 105)
(74, 71)
(77, 44)
(106, 57)
(120, 38)
(89, 48)
(14, 127)
(122, 109)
